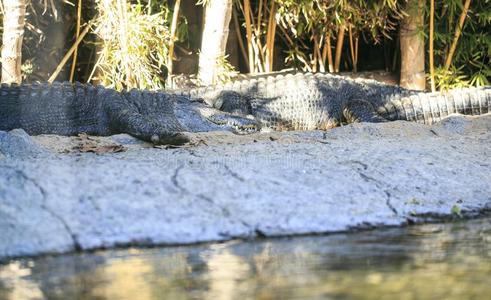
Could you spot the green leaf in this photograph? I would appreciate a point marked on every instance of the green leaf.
(456, 210)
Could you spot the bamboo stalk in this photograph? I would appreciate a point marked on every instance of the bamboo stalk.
(324, 49)
(239, 36)
(307, 65)
(260, 54)
(259, 16)
(339, 47)
(247, 9)
(327, 52)
(123, 40)
(356, 53)
(173, 28)
(289, 39)
(53, 10)
(70, 52)
(286, 37)
(77, 34)
(258, 57)
(432, 26)
(329, 55)
(256, 35)
(351, 47)
(458, 31)
(320, 58)
(314, 54)
(271, 37)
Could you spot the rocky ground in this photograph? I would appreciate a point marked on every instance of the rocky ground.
(60, 194)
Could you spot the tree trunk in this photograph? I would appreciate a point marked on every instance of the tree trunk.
(13, 32)
(214, 41)
(412, 46)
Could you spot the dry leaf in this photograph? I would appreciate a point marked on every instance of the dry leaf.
(89, 144)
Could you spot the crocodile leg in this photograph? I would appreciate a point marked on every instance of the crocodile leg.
(130, 113)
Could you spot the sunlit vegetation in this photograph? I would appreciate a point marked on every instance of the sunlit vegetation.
(259, 19)
(469, 62)
(130, 43)
(135, 41)
(313, 29)
(225, 70)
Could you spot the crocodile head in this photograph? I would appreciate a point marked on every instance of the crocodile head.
(231, 102)
(237, 124)
(197, 116)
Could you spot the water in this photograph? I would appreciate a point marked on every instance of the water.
(436, 261)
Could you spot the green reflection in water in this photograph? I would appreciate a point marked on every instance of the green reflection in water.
(437, 261)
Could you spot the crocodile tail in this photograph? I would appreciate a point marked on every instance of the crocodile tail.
(429, 108)
(58, 108)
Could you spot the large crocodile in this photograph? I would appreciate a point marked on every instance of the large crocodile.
(70, 109)
(282, 102)
(306, 101)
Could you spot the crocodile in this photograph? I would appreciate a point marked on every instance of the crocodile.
(308, 101)
(70, 109)
(300, 101)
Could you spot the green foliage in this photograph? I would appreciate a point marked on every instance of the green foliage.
(134, 47)
(471, 63)
(456, 210)
(451, 78)
(203, 2)
(225, 70)
(306, 19)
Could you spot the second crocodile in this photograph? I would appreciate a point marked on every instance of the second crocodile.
(306, 101)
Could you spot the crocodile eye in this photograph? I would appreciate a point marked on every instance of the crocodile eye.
(218, 103)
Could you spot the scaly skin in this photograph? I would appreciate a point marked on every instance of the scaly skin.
(70, 109)
(284, 102)
(306, 101)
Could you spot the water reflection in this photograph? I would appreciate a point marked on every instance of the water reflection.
(451, 261)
